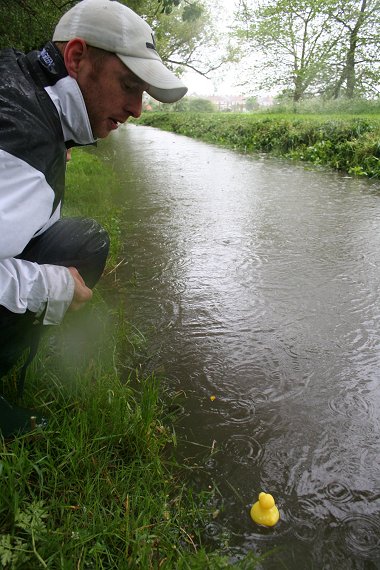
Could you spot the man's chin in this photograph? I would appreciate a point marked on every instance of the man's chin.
(103, 130)
(102, 134)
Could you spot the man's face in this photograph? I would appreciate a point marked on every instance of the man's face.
(111, 91)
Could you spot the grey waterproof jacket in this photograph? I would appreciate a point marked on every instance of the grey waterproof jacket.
(42, 113)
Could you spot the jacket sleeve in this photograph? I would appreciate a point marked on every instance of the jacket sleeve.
(26, 202)
(27, 285)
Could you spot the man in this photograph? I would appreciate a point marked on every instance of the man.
(79, 88)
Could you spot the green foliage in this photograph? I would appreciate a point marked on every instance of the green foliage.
(30, 521)
(186, 104)
(95, 487)
(192, 12)
(322, 106)
(27, 24)
(251, 104)
(295, 47)
(324, 47)
(167, 5)
(350, 144)
(198, 105)
(182, 33)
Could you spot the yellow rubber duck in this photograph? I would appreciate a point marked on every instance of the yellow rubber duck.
(264, 511)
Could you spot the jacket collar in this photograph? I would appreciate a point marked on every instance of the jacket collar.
(68, 100)
(66, 95)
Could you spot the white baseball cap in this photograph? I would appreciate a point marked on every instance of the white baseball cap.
(112, 26)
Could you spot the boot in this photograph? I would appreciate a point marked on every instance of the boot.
(18, 421)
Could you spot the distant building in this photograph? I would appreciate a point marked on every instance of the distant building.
(234, 103)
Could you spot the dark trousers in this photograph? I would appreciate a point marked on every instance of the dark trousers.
(70, 242)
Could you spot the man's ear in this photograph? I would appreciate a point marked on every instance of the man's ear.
(75, 52)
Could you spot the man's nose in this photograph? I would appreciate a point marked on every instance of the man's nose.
(134, 105)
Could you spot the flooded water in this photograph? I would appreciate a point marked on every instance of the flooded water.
(257, 282)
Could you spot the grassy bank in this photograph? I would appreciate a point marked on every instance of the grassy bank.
(98, 488)
(346, 142)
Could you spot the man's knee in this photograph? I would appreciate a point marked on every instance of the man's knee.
(93, 248)
(94, 237)
(78, 242)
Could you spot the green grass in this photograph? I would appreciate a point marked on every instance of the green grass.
(348, 143)
(95, 490)
(99, 488)
(90, 188)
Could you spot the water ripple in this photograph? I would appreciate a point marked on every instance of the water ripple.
(338, 492)
(243, 449)
(349, 404)
(239, 411)
(361, 534)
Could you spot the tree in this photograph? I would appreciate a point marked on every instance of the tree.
(294, 39)
(187, 38)
(179, 33)
(27, 24)
(326, 47)
(357, 62)
(197, 105)
(252, 103)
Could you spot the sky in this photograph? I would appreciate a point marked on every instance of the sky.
(224, 84)
(201, 86)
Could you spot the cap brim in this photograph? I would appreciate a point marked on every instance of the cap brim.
(163, 84)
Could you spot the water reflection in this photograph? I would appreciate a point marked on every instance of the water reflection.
(258, 283)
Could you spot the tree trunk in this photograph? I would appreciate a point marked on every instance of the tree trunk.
(350, 68)
(299, 88)
(348, 74)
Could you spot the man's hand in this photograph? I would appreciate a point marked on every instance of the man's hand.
(82, 293)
